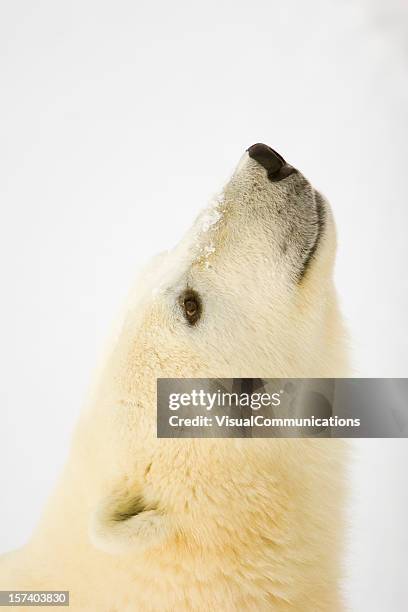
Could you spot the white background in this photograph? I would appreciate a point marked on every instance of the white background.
(118, 121)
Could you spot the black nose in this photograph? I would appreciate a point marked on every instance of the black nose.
(269, 159)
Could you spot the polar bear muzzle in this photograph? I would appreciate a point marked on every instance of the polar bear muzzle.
(297, 209)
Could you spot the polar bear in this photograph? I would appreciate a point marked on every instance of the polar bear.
(138, 523)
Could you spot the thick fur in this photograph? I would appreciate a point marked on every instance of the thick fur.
(141, 524)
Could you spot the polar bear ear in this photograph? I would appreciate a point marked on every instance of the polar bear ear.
(121, 524)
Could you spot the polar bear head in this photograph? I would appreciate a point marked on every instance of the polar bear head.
(248, 292)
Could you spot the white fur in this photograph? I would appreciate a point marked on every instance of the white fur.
(220, 524)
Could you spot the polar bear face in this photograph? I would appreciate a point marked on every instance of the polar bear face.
(248, 292)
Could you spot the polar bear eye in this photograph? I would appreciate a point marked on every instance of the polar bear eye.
(191, 305)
